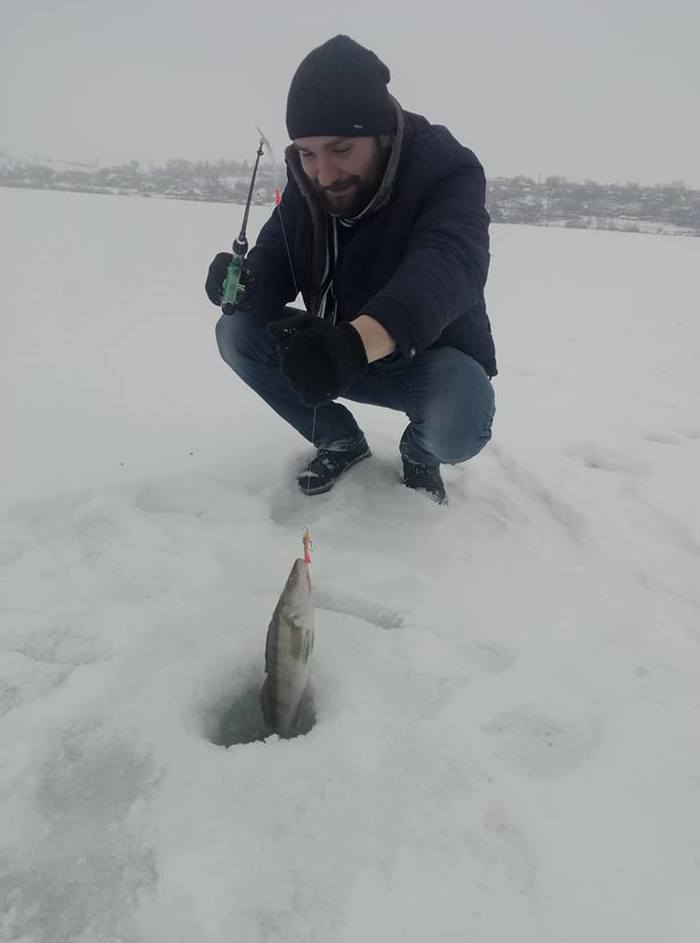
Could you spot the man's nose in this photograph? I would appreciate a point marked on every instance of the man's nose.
(328, 171)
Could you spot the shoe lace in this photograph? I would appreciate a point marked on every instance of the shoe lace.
(322, 460)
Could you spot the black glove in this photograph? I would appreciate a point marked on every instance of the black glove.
(216, 277)
(321, 359)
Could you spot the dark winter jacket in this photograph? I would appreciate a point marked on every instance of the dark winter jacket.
(416, 260)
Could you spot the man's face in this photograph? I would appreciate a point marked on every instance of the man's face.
(344, 172)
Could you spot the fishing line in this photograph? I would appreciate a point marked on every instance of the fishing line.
(278, 206)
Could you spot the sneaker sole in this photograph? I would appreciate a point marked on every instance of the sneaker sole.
(324, 489)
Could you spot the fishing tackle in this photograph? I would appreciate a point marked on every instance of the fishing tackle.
(233, 288)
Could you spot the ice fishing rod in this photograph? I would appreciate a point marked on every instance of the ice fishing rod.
(232, 285)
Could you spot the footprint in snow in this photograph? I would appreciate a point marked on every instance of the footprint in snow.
(542, 747)
(690, 432)
(499, 843)
(364, 609)
(602, 458)
(90, 799)
(528, 483)
(177, 496)
(663, 438)
(95, 533)
(290, 508)
(493, 660)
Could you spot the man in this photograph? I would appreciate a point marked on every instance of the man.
(382, 228)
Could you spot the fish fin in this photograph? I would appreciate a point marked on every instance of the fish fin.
(270, 639)
(265, 703)
(308, 646)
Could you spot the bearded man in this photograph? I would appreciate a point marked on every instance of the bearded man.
(382, 229)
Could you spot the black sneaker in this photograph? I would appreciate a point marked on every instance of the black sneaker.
(425, 478)
(324, 470)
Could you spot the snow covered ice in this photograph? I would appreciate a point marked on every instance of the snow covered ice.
(506, 742)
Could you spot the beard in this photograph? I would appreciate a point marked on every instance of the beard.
(350, 196)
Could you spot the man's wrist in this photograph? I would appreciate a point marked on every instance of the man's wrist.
(377, 341)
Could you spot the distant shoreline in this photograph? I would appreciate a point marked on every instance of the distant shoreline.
(664, 210)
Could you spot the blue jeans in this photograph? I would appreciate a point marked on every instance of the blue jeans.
(446, 395)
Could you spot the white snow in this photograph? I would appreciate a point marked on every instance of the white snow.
(507, 692)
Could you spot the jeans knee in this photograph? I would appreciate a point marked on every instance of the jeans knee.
(464, 445)
(241, 338)
(474, 441)
(462, 419)
(225, 338)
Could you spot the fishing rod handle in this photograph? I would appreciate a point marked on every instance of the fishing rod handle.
(232, 289)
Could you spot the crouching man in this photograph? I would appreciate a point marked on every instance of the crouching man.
(382, 229)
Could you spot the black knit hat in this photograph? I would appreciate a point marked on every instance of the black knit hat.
(340, 88)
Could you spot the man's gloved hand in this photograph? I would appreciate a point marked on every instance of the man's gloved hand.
(216, 277)
(321, 359)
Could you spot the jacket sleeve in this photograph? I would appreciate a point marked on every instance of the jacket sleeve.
(443, 272)
(274, 282)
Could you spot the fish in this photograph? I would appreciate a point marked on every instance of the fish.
(288, 648)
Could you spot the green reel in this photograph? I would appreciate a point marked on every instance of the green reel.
(233, 290)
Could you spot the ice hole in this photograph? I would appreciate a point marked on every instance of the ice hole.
(240, 719)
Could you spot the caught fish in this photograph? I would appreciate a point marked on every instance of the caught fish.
(290, 641)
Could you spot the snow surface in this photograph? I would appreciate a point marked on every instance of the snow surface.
(506, 691)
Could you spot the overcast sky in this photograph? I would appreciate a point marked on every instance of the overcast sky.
(607, 90)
